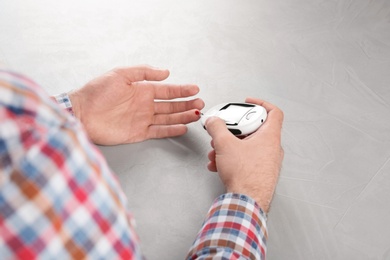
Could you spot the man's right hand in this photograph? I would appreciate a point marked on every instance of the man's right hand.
(251, 165)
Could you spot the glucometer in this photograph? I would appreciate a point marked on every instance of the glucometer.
(240, 118)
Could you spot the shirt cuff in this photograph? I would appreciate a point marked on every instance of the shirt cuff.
(64, 101)
(235, 226)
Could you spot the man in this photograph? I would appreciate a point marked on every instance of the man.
(58, 197)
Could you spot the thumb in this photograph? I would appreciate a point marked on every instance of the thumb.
(216, 127)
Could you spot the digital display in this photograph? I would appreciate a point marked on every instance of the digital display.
(233, 113)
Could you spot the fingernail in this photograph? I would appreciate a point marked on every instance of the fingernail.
(210, 119)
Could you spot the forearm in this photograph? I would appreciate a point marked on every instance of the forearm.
(234, 227)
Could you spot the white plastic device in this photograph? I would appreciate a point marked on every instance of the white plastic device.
(240, 118)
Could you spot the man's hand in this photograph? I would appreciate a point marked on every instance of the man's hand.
(251, 165)
(120, 106)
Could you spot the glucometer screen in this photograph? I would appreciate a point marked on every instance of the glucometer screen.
(233, 113)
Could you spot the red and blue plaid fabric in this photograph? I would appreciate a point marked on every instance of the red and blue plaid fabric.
(235, 228)
(64, 101)
(59, 199)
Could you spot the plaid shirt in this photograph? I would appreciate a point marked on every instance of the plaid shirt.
(58, 197)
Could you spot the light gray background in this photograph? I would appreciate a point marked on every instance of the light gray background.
(325, 63)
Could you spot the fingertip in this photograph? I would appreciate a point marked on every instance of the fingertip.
(175, 131)
(218, 130)
(212, 166)
(211, 155)
(199, 103)
(164, 73)
(153, 73)
(258, 101)
(147, 66)
(214, 123)
(210, 121)
(250, 100)
(191, 90)
(183, 128)
(195, 115)
(197, 89)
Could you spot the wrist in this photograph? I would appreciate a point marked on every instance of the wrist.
(262, 194)
(74, 98)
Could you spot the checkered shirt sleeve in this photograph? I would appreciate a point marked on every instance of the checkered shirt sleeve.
(58, 197)
(64, 101)
(235, 228)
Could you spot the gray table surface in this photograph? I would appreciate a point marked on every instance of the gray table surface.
(325, 63)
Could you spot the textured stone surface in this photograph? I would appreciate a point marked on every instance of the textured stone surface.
(325, 63)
